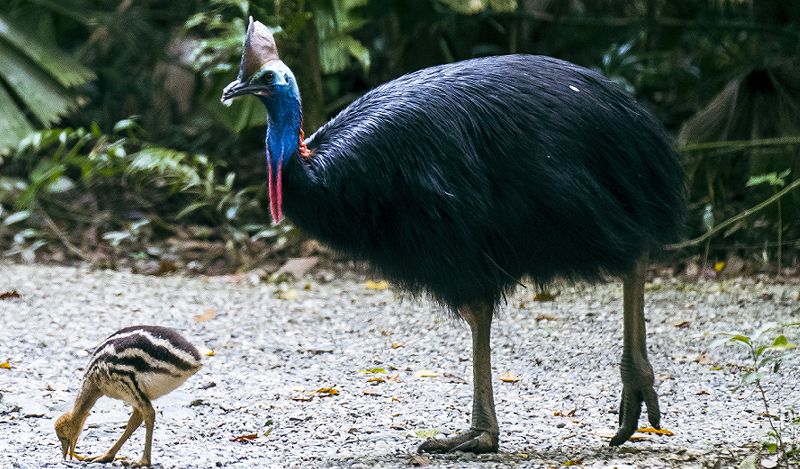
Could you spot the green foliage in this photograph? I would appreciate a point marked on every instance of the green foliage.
(37, 79)
(336, 21)
(163, 186)
(767, 353)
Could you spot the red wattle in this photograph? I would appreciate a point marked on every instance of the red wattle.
(275, 192)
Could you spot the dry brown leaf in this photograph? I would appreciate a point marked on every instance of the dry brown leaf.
(655, 431)
(546, 317)
(245, 438)
(682, 324)
(376, 284)
(397, 345)
(209, 314)
(545, 296)
(419, 460)
(376, 379)
(508, 377)
(5, 365)
(425, 374)
(8, 295)
(569, 413)
(327, 392)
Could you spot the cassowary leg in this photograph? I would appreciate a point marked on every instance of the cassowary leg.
(149, 417)
(637, 374)
(133, 424)
(482, 436)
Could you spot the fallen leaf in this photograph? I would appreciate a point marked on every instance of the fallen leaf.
(425, 374)
(719, 266)
(376, 379)
(508, 377)
(327, 392)
(373, 371)
(682, 324)
(544, 297)
(376, 285)
(11, 294)
(209, 353)
(702, 358)
(307, 287)
(419, 460)
(208, 315)
(572, 462)
(569, 413)
(546, 317)
(245, 438)
(655, 431)
(289, 294)
(395, 378)
(397, 345)
(425, 433)
(702, 392)
(5, 365)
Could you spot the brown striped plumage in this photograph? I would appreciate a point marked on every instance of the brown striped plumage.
(137, 365)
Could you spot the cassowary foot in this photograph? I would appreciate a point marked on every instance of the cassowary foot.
(630, 408)
(473, 441)
(102, 458)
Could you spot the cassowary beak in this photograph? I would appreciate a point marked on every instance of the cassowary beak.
(236, 88)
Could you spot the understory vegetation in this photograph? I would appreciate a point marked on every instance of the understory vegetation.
(115, 149)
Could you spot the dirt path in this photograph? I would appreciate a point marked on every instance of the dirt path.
(271, 355)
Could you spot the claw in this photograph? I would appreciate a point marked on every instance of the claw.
(630, 409)
(472, 441)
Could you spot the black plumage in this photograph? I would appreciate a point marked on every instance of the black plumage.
(461, 179)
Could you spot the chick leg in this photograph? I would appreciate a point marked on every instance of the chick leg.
(133, 424)
(149, 416)
(637, 374)
(483, 435)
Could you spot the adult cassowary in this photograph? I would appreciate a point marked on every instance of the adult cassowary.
(461, 179)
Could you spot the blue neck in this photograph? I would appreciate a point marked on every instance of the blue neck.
(283, 126)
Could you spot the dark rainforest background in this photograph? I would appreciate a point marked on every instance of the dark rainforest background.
(115, 149)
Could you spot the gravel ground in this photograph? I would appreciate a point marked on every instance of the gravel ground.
(271, 355)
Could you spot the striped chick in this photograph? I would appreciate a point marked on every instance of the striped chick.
(137, 365)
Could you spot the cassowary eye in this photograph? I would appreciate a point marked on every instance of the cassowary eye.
(267, 77)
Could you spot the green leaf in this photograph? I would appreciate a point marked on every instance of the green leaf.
(741, 338)
(45, 98)
(780, 341)
(17, 217)
(61, 67)
(191, 208)
(13, 124)
(752, 377)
